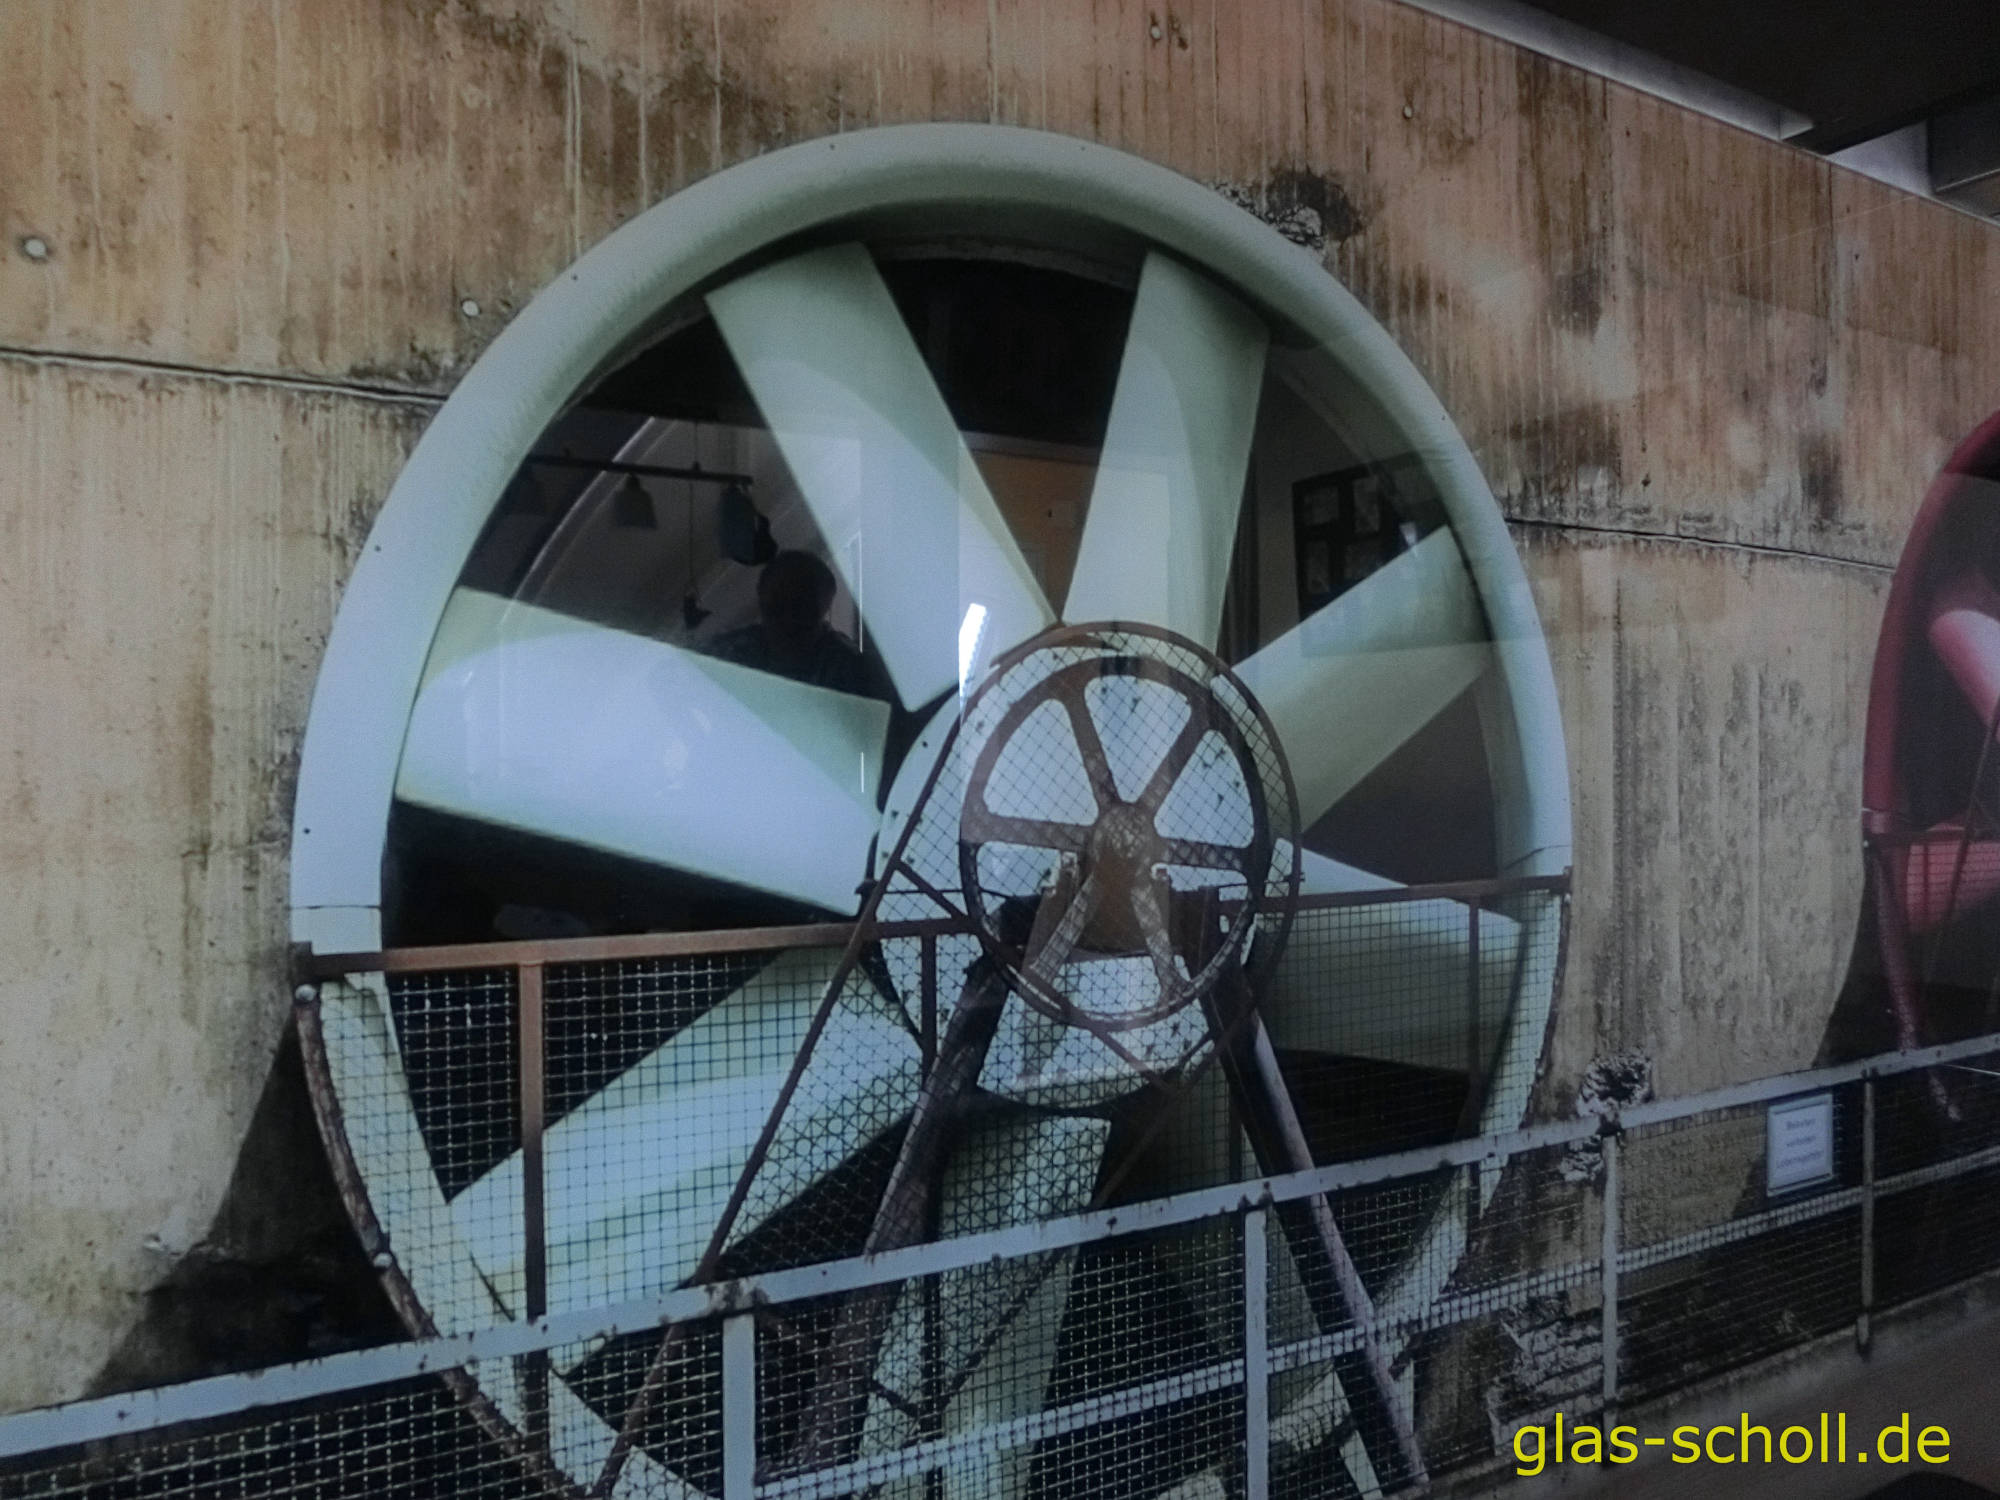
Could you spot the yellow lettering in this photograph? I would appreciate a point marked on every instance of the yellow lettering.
(1943, 1455)
(1590, 1453)
(1900, 1429)
(1686, 1449)
(1785, 1445)
(1713, 1433)
(1743, 1446)
(1631, 1448)
(1538, 1458)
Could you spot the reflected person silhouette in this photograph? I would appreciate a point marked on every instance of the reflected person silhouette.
(793, 636)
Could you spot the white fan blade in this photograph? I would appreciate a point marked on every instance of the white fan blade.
(363, 1055)
(1041, 1062)
(1353, 681)
(548, 724)
(580, 1441)
(942, 585)
(1161, 527)
(636, 1179)
(1389, 981)
(1023, 1170)
(1322, 875)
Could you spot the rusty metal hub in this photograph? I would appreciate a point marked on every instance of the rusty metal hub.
(1177, 828)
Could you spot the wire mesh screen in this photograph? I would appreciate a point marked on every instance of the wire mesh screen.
(1482, 1303)
(1514, 1334)
(1410, 1311)
(1703, 1293)
(410, 1438)
(1937, 1218)
(738, 1113)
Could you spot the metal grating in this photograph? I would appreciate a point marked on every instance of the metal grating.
(1185, 1354)
(1144, 1327)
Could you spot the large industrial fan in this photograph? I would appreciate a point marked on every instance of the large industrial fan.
(1931, 789)
(1164, 619)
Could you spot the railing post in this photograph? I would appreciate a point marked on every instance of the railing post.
(739, 1406)
(927, 1001)
(1863, 1330)
(532, 1049)
(1609, 1252)
(1472, 1055)
(1256, 1357)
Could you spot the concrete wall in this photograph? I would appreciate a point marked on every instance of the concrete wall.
(1709, 377)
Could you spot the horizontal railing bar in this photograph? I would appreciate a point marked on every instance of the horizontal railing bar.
(85, 1421)
(632, 945)
(1903, 838)
(1785, 1215)
(1448, 890)
(1781, 1085)
(860, 1473)
(1939, 1171)
(642, 945)
(1444, 1313)
(1733, 1231)
(1152, 1216)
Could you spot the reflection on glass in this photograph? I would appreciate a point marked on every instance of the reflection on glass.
(1016, 439)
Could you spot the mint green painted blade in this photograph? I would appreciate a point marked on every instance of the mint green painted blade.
(904, 512)
(1162, 521)
(1350, 684)
(553, 726)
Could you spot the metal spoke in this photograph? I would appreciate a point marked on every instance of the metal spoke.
(1179, 753)
(1150, 903)
(1090, 745)
(1052, 941)
(989, 827)
(1193, 854)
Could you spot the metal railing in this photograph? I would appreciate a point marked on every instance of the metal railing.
(1600, 1262)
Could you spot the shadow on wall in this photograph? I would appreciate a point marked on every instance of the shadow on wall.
(279, 1275)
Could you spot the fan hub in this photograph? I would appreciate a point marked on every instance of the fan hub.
(1184, 774)
(1124, 850)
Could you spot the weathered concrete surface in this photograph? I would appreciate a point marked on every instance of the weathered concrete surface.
(1714, 700)
(1694, 364)
(170, 552)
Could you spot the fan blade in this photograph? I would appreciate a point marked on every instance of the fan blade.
(637, 1177)
(1945, 875)
(996, 1325)
(1391, 981)
(1323, 875)
(364, 1057)
(1161, 526)
(943, 586)
(580, 1440)
(554, 726)
(1352, 682)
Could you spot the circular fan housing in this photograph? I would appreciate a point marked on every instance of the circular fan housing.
(987, 389)
(1931, 780)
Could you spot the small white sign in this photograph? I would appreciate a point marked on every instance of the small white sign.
(1798, 1138)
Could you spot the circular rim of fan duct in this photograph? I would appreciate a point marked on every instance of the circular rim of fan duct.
(1929, 870)
(581, 324)
(598, 311)
(1962, 483)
